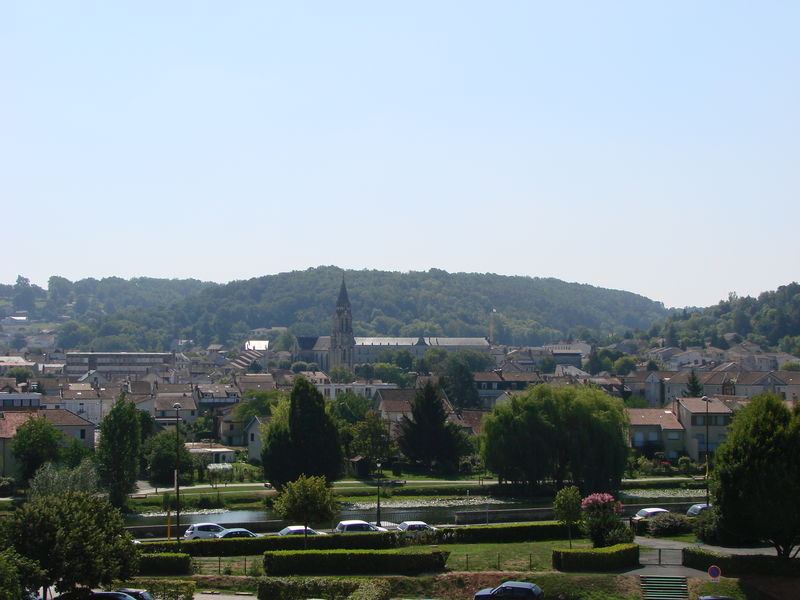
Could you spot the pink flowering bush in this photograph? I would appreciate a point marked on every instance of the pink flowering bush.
(602, 523)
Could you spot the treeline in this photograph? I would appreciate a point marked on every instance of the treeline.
(93, 298)
(529, 311)
(772, 321)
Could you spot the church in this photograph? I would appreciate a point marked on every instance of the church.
(341, 348)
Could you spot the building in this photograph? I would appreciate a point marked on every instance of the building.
(120, 364)
(656, 430)
(706, 423)
(341, 348)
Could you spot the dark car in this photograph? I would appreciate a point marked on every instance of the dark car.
(236, 532)
(512, 589)
(90, 595)
(138, 594)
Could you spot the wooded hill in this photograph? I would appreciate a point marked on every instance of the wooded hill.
(432, 303)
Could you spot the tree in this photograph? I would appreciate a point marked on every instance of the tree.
(460, 384)
(694, 389)
(307, 500)
(567, 508)
(756, 476)
(301, 439)
(50, 481)
(119, 450)
(789, 365)
(427, 437)
(79, 540)
(546, 432)
(21, 374)
(36, 442)
(159, 452)
(371, 438)
(17, 574)
(340, 374)
(24, 294)
(18, 341)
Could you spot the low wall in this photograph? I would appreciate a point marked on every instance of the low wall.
(514, 515)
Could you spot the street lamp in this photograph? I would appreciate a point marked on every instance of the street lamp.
(177, 408)
(378, 511)
(706, 400)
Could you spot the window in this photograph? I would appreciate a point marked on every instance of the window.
(83, 434)
(652, 436)
(673, 435)
(252, 437)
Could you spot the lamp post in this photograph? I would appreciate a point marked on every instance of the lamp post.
(177, 408)
(378, 511)
(706, 400)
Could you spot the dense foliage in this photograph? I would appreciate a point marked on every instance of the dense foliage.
(545, 433)
(36, 442)
(428, 438)
(431, 303)
(757, 474)
(79, 540)
(119, 450)
(301, 439)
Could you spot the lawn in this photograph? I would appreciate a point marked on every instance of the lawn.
(517, 557)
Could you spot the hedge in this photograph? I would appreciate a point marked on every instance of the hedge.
(165, 563)
(163, 589)
(348, 562)
(740, 564)
(297, 588)
(611, 558)
(524, 532)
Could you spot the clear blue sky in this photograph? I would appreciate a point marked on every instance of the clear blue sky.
(644, 146)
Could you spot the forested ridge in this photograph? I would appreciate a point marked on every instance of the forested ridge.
(529, 310)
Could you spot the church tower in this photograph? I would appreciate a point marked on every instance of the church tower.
(342, 341)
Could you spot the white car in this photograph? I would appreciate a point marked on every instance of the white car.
(202, 531)
(415, 526)
(299, 530)
(696, 509)
(356, 526)
(648, 513)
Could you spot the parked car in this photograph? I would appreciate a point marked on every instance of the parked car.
(85, 594)
(202, 530)
(696, 509)
(413, 526)
(299, 530)
(236, 532)
(648, 513)
(137, 594)
(512, 589)
(356, 526)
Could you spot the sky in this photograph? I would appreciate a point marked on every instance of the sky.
(644, 146)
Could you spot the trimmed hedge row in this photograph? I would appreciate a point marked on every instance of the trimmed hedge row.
(740, 564)
(526, 532)
(296, 588)
(348, 562)
(165, 563)
(165, 589)
(611, 558)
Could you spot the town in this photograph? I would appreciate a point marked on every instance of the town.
(431, 406)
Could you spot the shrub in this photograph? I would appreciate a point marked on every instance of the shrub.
(375, 589)
(602, 523)
(165, 563)
(297, 588)
(353, 561)
(6, 486)
(610, 558)
(669, 523)
(711, 529)
(740, 564)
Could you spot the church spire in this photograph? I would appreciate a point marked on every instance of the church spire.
(343, 300)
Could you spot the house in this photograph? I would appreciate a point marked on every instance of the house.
(656, 430)
(230, 430)
(706, 422)
(211, 452)
(393, 405)
(252, 436)
(255, 382)
(493, 383)
(366, 389)
(215, 395)
(165, 413)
